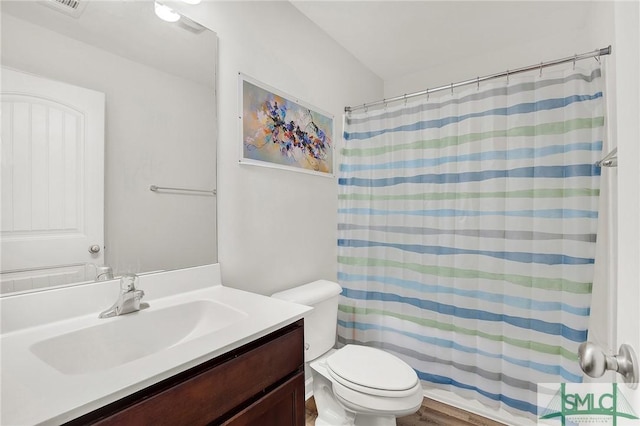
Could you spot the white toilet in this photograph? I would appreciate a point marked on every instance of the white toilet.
(355, 385)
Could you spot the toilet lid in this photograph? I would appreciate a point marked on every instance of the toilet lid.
(372, 368)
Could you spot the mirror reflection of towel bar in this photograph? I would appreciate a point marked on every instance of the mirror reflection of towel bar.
(156, 188)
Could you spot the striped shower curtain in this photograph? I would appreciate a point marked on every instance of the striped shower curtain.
(467, 233)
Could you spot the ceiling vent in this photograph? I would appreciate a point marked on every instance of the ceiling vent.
(72, 8)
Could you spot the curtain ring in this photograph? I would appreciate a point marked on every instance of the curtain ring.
(507, 77)
(427, 94)
(575, 58)
(405, 99)
(451, 89)
(478, 83)
(540, 69)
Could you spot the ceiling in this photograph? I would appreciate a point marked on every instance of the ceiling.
(129, 29)
(396, 38)
(392, 38)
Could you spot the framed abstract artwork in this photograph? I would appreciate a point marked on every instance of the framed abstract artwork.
(280, 131)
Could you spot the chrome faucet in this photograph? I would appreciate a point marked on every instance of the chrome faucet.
(104, 273)
(129, 299)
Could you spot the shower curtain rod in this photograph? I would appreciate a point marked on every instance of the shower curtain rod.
(595, 54)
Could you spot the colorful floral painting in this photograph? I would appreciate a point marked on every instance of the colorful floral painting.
(283, 133)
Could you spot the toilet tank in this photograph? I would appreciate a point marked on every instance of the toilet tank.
(319, 324)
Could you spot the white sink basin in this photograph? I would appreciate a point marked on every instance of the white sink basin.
(123, 339)
(59, 361)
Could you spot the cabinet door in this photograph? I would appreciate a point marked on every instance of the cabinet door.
(284, 406)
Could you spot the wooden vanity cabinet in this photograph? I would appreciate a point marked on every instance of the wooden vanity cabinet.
(260, 383)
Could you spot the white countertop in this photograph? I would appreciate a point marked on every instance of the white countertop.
(33, 392)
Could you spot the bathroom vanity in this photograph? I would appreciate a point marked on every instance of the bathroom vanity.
(259, 383)
(199, 353)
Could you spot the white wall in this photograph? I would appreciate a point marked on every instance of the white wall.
(627, 41)
(152, 136)
(548, 44)
(277, 228)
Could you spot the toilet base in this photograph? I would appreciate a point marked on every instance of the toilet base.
(332, 413)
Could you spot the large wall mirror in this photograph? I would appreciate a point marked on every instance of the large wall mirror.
(101, 100)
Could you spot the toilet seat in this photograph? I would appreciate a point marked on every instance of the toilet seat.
(372, 371)
(375, 404)
(382, 404)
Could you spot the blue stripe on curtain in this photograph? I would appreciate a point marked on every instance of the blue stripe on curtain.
(497, 90)
(526, 323)
(516, 109)
(512, 402)
(514, 301)
(544, 258)
(467, 234)
(522, 172)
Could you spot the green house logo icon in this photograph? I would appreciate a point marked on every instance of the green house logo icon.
(582, 407)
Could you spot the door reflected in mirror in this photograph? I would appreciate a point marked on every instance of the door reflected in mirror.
(96, 109)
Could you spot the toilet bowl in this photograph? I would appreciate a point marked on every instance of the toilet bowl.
(372, 384)
(354, 385)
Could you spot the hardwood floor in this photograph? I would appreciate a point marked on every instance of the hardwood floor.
(432, 413)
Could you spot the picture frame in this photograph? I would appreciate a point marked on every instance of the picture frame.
(278, 130)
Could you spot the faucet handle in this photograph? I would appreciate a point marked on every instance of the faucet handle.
(128, 282)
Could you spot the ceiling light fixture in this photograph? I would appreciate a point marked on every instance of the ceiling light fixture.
(192, 1)
(165, 13)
